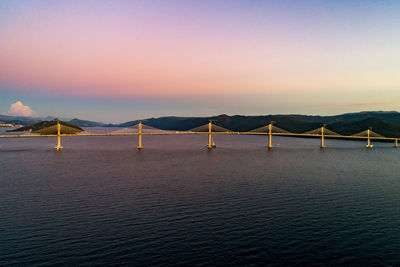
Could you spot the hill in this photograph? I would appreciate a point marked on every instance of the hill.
(379, 126)
(235, 123)
(19, 120)
(292, 122)
(85, 123)
(386, 123)
(32, 120)
(346, 124)
(48, 127)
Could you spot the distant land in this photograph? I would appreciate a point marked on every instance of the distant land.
(19, 120)
(49, 127)
(386, 123)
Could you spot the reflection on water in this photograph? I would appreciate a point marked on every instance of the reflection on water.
(102, 202)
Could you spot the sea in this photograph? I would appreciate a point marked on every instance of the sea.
(101, 202)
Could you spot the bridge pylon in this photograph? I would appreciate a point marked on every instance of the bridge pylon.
(369, 145)
(211, 143)
(140, 136)
(323, 136)
(270, 135)
(58, 147)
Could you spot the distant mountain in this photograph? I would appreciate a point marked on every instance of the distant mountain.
(85, 123)
(31, 120)
(384, 123)
(390, 116)
(127, 124)
(385, 128)
(235, 123)
(19, 120)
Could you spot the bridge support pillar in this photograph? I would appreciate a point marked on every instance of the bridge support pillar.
(270, 135)
(210, 140)
(396, 143)
(140, 136)
(369, 145)
(58, 147)
(323, 136)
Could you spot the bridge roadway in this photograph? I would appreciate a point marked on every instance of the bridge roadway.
(210, 133)
(351, 137)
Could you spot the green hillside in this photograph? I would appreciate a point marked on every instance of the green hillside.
(48, 127)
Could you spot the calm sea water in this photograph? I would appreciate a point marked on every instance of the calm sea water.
(102, 202)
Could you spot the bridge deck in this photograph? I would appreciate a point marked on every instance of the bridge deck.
(214, 133)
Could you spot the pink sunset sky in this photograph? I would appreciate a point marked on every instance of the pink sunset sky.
(114, 60)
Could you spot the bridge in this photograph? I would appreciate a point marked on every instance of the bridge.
(211, 129)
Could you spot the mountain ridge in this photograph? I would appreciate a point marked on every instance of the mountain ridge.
(386, 123)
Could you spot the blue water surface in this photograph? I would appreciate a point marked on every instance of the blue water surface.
(101, 202)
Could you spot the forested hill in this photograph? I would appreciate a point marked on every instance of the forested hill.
(384, 123)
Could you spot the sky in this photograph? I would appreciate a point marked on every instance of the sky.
(114, 61)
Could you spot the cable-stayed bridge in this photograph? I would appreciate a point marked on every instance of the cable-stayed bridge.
(59, 130)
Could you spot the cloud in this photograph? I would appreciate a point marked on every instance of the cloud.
(19, 109)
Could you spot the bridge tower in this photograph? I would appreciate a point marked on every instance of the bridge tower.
(58, 147)
(369, 145)
(210, 141)
(140, 136)
(323, 135)
(270, 135)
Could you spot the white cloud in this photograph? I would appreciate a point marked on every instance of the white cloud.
(19, 109)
